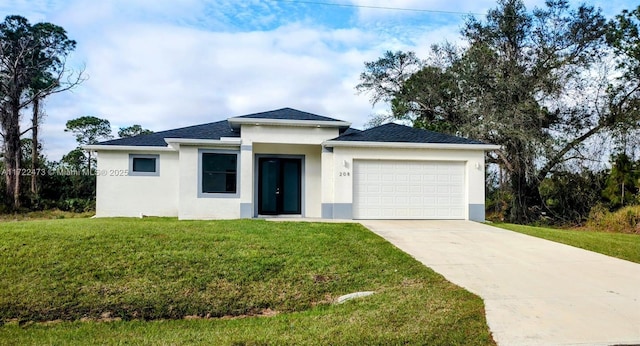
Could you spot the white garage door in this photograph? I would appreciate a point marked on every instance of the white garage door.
(408, 190)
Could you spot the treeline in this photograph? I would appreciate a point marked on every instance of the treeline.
(70, 183)
(558, 88)
(33, 67)
(576, 197)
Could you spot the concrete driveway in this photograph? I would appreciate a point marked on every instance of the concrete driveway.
(536, 292)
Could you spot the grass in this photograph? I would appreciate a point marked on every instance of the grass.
(624, 246)
(250, 282)
(45, 215)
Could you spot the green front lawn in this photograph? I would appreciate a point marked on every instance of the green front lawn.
(625, 246)
(254, 282)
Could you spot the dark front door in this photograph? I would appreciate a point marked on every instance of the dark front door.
(279, 186)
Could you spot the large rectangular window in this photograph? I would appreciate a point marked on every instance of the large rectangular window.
(144, 164)
(218, 173)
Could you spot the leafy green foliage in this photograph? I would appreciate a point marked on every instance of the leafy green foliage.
(133, 130)
(622, 183)
(624, 220)
(624, 92)
(89, 129)
(65, 185)
(383, 78)
(624, 37)
(569, 197)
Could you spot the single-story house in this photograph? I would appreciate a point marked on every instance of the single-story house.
(293, 163)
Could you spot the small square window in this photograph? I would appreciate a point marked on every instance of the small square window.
(144, 165)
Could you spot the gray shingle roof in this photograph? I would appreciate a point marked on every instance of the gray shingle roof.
(288, 114)
(349, 131)
(384, 133)
(204, 131)
(402, 134)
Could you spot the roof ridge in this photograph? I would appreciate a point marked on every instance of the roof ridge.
(287, 113)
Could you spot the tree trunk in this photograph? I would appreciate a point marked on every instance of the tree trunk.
(34, 146)
(524, 187)
(12, 153)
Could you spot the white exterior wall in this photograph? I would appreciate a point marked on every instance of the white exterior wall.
(132, 196)
(193, 207)
(328, 177)
(343, 158)
(287, 135)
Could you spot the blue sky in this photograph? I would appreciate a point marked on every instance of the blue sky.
(165, 64)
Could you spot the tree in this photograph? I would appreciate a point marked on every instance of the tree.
(621, 186)
(384, 78)
(569, 197)
(623, 35)
(133, 130)
(524, 81)
(89, 130)
(28, 54)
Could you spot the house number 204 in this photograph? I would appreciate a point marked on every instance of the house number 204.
(344, 174)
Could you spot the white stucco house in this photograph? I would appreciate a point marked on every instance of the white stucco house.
(293, 163)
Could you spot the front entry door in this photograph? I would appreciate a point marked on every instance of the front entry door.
(279, 186)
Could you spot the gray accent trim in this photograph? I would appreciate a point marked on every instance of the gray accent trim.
(144, 156)
(343, 211)
(256, 178)
(327, 211)
(476, 212)
(199, 182)
(327, 149)
(246, 147)
(246, 210)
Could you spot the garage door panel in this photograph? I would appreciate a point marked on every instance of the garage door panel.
(415, 177)
(408, 190)
(401, 188)
(457, 190)
(387, 189)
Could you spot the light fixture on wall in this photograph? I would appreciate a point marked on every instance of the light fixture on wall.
(478, 166)
(345, 164)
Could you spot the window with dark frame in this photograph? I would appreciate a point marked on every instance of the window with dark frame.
(219, 173)
(144, 164)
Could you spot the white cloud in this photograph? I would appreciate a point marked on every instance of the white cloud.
(165, 64)
(165, 76)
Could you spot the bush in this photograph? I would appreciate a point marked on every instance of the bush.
(77, 205)
(625, 220)
(569, 197)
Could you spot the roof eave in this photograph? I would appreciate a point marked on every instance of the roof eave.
(102, 147)
(224, 141)
(446, 146)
